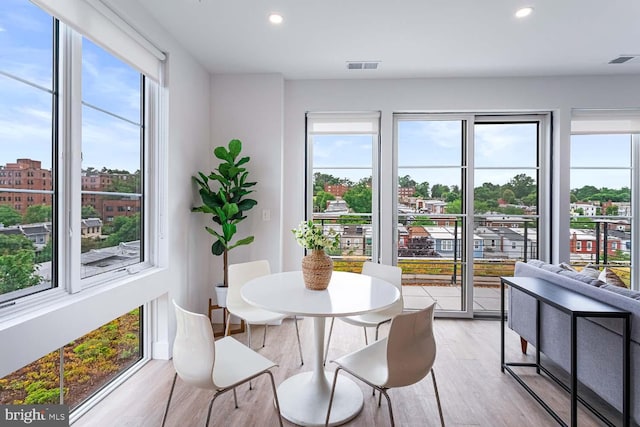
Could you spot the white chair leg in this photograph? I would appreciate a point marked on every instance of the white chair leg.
(235, 398)
(326, 350)
(333, 390)
(393, 423)
(249, 333)
(206, 424)
(366, 341)
(228, 328)
(435, 388)
(264, 336)
(295, 322)
(275, 397)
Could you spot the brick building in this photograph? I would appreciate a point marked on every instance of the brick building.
(25, 174)
(28, 174)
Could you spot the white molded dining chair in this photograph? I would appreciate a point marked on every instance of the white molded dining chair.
(405, 357)
(389, 273)
(213, 365)
(239, 274)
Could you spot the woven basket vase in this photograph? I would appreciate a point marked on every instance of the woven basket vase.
(316, 270)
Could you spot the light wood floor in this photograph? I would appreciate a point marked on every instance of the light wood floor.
(473, 391)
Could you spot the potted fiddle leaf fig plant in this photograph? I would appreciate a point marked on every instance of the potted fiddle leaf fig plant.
(224, 194)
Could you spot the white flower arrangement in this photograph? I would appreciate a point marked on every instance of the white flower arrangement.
(312, 237)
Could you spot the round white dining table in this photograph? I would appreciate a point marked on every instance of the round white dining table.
(304, 398)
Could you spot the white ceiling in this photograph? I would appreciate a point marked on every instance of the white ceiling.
(412, 38)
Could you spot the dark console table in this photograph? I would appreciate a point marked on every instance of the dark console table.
(575, 305)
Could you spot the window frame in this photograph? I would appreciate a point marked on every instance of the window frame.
(66, 189)
(609, 122)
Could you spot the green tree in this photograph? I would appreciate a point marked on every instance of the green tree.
(573, 198)
(531, 199)
(359, 198)
(13, 243)
(510, 210)
(454, 207)
(9, 216)
(422, 190)
(89, 211)
(487, 192)
(612, 210)
(522, 185)
(124, 182)
(406, 182)
(450, 196)
(37, 213)
(508, 196)
(18, 271)
(320, 200)
(124, 229)
(482, 207)
(586, 193)
(437, 190)
(46, 254)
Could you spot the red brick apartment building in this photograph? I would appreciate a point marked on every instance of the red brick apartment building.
(336, 190)
(28, 174)
(25, 174)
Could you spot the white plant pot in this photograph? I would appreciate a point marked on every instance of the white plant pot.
(221, 295)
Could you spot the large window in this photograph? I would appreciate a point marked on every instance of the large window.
(602, 190)
(342, 154)
(78, 133)
(88, 363)
(112, 152)
(73, 137)
(28, 92)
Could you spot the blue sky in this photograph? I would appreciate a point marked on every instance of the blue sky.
(25, 111)
(497, 146)
(108, 83)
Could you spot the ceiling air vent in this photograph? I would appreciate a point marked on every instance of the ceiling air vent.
(362, 65)
(622, 59)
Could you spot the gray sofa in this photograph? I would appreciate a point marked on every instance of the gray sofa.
(599, 340)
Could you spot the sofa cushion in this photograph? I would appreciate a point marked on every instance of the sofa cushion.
(584, 278)
(609, 277)
(622, 291)
(553, 268)
(536, 263)
(566, 266)
(591, 270)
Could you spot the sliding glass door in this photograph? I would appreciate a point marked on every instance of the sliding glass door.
(468, 192)
(466, 196)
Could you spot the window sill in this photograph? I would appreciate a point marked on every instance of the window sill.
(46, 302)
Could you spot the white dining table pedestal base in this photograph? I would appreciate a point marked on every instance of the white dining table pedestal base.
(305, 402)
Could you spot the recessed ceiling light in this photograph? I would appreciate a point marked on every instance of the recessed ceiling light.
(276, 18)
(525, 11)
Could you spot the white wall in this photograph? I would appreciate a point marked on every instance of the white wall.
(250, 108)
(187, 269)
(556, 94)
